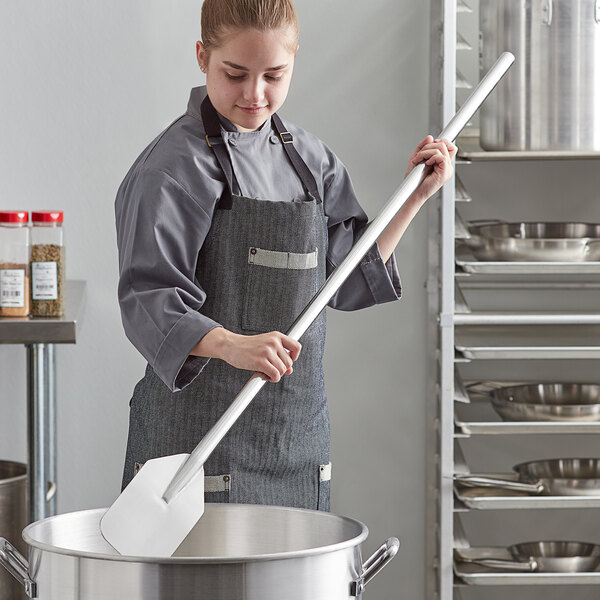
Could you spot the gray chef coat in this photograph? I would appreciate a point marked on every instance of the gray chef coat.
(164, 209)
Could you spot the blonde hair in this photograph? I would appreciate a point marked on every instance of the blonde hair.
(222, 17)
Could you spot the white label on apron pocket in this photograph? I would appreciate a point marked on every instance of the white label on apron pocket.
(44, 281)
(278, 287)
(282, 260)
(12, 288)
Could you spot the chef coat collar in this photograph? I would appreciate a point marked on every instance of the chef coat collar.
(197, 96)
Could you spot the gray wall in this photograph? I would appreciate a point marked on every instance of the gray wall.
(85, 86)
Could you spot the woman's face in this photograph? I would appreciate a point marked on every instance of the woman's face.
(249, 75)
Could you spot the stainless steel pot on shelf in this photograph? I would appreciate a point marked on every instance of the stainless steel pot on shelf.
(235, 552)
(545, 557)
(552, 477)
(577, 402)
(496, 240)
(549, 100)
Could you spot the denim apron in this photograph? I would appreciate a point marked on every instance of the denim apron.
(261, 263)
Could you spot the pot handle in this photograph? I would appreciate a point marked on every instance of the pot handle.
(16, 564)
(382, 556)
(498, 563)
(504, 484)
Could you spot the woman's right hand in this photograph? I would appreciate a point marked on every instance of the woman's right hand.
(269, 354)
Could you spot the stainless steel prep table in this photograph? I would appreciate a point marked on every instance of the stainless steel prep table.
(39, 337)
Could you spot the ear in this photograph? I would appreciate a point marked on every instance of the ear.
(201, 56)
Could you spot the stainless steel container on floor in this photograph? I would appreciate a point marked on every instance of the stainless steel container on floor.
(13, 518)
(235, 552)
(550, 98)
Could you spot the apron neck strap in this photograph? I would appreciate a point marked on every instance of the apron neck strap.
(287, 139)
(214, 139)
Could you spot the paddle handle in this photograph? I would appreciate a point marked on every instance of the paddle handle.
(210, 441)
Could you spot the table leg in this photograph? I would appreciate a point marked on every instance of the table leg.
(41, 426)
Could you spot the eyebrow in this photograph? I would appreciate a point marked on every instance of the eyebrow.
(240, 68)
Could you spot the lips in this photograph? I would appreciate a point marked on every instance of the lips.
(251, 110)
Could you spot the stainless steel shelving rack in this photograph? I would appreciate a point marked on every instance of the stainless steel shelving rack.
(454, 337)
(40, 337)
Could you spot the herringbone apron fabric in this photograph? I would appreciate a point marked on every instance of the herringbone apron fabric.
(260, 264)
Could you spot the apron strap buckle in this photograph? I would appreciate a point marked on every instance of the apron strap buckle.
(286, 137)
(213, 140)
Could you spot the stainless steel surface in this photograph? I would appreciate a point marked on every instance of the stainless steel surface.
(485, 498)
(525, 318)
(235, 552)
(470, 150)
(549, 100)
(473, 574)
(579, 402)
(469, 428)
(528, 341)
(39, 335)
(530, 241)
(558, 556)
(543, 557)
(528, 352)
(553, 477)
(503, 484)
(14, 562)
(467, 263)
(61, 330)
(319, 302)
(374, 564)
(39, 396)
(13, 517)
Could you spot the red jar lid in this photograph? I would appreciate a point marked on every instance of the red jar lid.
(14, 216)
(47, 216)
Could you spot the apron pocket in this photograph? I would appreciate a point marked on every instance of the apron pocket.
(279, 285)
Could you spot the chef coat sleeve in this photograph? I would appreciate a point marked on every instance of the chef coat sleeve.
(373, 282)
(160, 229)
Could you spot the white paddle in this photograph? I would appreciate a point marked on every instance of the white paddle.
(163, 502)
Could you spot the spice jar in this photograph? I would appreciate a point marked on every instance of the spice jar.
(47, 264)
(14, 263)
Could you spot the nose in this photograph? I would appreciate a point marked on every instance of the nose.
(254, 90)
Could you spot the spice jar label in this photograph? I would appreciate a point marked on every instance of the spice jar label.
(12, 288)
(44, 281)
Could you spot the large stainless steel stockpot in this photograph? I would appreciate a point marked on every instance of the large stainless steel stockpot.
(549, 99)
(235, 552)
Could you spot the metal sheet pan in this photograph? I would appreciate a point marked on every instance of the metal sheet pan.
(467, 263)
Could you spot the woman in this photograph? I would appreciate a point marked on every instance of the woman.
(227, 225)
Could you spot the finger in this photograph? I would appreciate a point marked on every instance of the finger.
(292, 346)
(279, 364)
(285, 358)
(452, 148)
(271, 372)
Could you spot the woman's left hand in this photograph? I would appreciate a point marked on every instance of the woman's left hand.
(438, 156)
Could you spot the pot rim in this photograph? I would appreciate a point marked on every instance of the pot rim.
(7, 481)
(355, 541)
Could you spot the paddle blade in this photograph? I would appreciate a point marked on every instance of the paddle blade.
(141, 523)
